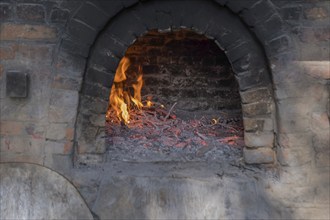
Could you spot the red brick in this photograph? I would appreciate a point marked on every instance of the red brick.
(1, 70)
(320, 69)
(68, 146)
(69, 134)
(315, 35)
(25, 31)
(316, 13)
(20, 144)
(8, 52)
(34, 51)
(22, 158)
(11, 128)
(61, 82)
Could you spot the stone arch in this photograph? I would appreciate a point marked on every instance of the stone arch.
(245, 39)
(91, 16)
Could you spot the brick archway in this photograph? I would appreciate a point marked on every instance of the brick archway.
(240, 28)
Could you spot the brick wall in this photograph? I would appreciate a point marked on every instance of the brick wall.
(38, 128)
(303, 97)
(29, 33)
(186, 68)
(49, 42)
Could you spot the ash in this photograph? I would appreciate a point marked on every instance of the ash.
(156, 134)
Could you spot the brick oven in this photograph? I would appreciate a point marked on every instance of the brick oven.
(238, 125)
(242, 50)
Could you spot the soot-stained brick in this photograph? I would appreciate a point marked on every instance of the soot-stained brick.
(31, 12)
(95, 90)
(6, 12)
(92, 16)
(75, 47)
(58, 15)
(81, 32)
(292, 13)
(16, 84)
(100, 77)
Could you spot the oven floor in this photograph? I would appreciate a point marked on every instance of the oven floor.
(183, 136)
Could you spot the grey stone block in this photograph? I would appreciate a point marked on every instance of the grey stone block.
(60, 114)
(17, 84)
(97, 120)
(92, 15)
(64, 98)
(96, 90)
(56, 131)
(292, 12)
(227, 38)
(253, 78)
(73, 47)
(129, 3)
(100, 77)
(30, 12)
(222, 2)
(279, 44)
(255, 109)
(262, 139)
(126, 28)
(110, 7)
(92, 105)
(239, 51)
(265, 33)
(109, 45)
(71, 5)
(58, 15)
(70, 65)
(108, 63)
(256, 95)
(62, 82)
(258, 12)
(239, 5)
(6, 12)
(88, 160)
(80, 31)
(258, 124)
(259, 156)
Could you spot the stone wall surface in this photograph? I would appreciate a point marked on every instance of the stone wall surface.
(49, 42)
(29, 191)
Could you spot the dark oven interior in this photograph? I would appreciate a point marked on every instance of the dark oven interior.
(174, 97)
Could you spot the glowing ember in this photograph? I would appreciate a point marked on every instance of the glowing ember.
(120, 98)
(149, 104)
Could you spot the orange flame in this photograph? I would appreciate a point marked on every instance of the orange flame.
(137, 92)
(149, 103)
(120, 98)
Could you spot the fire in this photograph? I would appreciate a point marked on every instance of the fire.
(120, 98)
(149, 103)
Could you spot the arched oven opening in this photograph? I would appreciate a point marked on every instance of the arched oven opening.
(174, 98)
